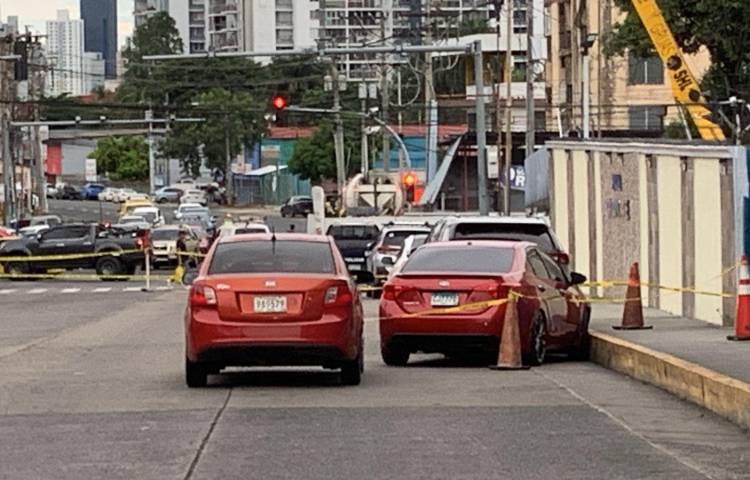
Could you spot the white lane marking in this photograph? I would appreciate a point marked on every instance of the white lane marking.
(102, 290)
(163, 289)
(132, 289)
(37, 291)
(7, 291)
(70, 290)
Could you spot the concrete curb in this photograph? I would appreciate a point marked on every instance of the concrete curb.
(719, 393)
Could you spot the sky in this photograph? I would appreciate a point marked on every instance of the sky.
(35, 12)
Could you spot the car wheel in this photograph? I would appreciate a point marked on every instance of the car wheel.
(538, 351)
(582, 351)
(17, 268)
(394, 356)
(196, 374)
(351, 371)
(283, 215)
(162, 200)
(107, 267)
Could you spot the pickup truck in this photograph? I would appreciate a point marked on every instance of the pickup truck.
(110, 251)
(353, 240)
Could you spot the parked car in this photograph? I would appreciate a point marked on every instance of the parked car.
(128, 207)
(52, 190)
(242, 229)
(273, 300)
(151, 214)
(164, 244)
(553, 313)
(168, 195)
(353, 240)
(32, 231)
(6, 232)
(91, 191)
(188, 207)
(68, 192)
(299, 205)
(50, 220)
(410, 246)
(123, 194)
(194, 196)
(388, 246)
(531, 229)
(136, 221)
(75, 239)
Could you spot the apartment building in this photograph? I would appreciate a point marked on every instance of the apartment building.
(627, 93)
(65, 55)
(190, 18)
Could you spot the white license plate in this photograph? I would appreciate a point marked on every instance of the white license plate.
(444, 299)
(268, 304)
(354, 267)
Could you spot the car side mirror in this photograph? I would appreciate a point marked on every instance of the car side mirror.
(577, 278)
(388, 261)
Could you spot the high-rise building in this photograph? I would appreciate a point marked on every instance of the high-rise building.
(65, 55)
(94, 71)
(189, 16)
(100, 31)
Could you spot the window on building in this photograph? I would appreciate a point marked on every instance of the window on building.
(646, 117)
(645, 71)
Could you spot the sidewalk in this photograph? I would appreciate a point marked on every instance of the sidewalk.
(691, 359)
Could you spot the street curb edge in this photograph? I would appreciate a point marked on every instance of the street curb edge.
(715, 391)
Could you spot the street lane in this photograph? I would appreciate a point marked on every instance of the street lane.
(103, 396)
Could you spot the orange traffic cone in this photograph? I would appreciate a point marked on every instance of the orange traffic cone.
(509, 357)
(632, 315)
(742, 320)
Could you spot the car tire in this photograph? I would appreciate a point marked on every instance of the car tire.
(394, 356)
(108, 266)
(17, 268)
(538, 353)
(582, 351)
(162, 201)
(351, 371)
(196, 374)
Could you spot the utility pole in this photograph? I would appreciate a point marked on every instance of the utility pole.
(530, 74)
(228, 176)
(36, 88)
(363, 126)
(149, 115)
(9, 182)
(481, 130)
(508, 160)
(500, 67)
(385, 96)
(430, 102)
(338, 133)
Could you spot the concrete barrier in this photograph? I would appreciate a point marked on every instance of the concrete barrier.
(719, 393)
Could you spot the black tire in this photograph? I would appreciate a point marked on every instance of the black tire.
(196, 374)
(538, 352)
(582, 351)
(17, 268)
(162, 201)
(351, 371)
(394, 356)
(106, 267)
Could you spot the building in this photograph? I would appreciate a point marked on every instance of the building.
(189, 16)
(65, 55)
(246, 25)
(100, 31)
(10, 27)
(627, 93)
(94, 68)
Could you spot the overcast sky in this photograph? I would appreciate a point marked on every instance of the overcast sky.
(36, 12)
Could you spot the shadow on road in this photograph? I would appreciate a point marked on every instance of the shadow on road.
(275, 378)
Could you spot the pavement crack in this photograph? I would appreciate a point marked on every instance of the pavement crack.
(207, 437)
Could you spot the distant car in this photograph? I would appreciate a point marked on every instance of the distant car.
(91, 191)
(108, 194)
(6, 232)
(50, 220)
(262, 300)
(136, 221)
(242, 229)
(164, 244)
(410, 246)
(52, 191)
(128, 207)
(294, 206)
(123, 194)
(26, 232)
(388, 246)
(69, 192)
(168, 195)
(188, 207)
(194, 196)
(151, 214)
(553, 313)
(353, 240)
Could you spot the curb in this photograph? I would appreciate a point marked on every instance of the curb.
(723, 395)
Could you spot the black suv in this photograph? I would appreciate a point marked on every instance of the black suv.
(297, 206)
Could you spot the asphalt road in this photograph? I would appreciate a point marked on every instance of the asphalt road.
(92, 387)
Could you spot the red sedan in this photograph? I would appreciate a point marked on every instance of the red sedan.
(273, 300)
(553, 313)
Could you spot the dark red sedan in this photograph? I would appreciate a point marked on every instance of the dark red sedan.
(421, 308)
(273, 300)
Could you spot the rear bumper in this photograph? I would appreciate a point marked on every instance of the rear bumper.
(445, 343)
(331, 339)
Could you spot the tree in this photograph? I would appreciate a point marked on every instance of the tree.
(314, 158)
(122, 158)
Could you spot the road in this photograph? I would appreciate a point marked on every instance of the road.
(90, 211)
(92, 387)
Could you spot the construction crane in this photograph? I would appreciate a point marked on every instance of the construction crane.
(685, 88)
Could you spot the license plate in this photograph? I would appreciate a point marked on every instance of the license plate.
(354, 267)
(444, 299)
(268, 304)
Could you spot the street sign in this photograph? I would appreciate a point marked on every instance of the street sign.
(90, 169)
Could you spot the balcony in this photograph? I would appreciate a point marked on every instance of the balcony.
(223, 7)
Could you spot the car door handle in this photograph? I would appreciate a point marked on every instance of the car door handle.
(541, 288)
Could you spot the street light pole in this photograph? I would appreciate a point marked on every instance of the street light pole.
(481, 129)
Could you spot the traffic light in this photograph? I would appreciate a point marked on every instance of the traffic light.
(409, 181)
(278, 102)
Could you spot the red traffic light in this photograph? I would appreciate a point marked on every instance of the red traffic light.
(279, 102)
(409, 179)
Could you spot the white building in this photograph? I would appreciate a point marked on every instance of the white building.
(94, 68)
(65, 56)
(189, 16)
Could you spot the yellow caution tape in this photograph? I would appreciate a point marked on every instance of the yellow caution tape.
(71, 256)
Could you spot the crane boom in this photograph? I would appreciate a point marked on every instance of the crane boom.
(684, 86)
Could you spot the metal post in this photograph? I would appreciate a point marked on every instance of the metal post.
(530, 74)
(508, 160)
(586, 65)
(8, 171)
(481, 130)
(148, 270)
(363, 140)
(338, 134)
(149, 115)
(228, 177)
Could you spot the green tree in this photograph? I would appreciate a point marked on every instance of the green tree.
(314, 158)
(122, 158)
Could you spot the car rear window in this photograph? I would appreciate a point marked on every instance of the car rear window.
(241, 231)
(266, 256)
(165, 234)
(354, 232)
(460, 260)
(518, 232)
(397, 238)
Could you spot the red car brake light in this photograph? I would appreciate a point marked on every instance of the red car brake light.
(338, 295)
(388, 248)
(202, 296)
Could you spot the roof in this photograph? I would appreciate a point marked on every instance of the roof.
(479, 243)
(504, 220)
(408, 228)
(262, 171)
(283, 237)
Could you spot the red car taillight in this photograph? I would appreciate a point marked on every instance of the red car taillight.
(388, 248)
(338, 295)
(202, 296)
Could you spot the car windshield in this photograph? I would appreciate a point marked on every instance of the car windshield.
(475, 259)
(241, 231)
(127, 220)
(396, 238)
(354, 232)
(147, 216)
(519, 232)
(167, 234)
(266, 256)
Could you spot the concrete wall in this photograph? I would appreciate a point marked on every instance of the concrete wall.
(672, 208)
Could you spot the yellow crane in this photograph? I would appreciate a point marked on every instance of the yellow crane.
(684, 86)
